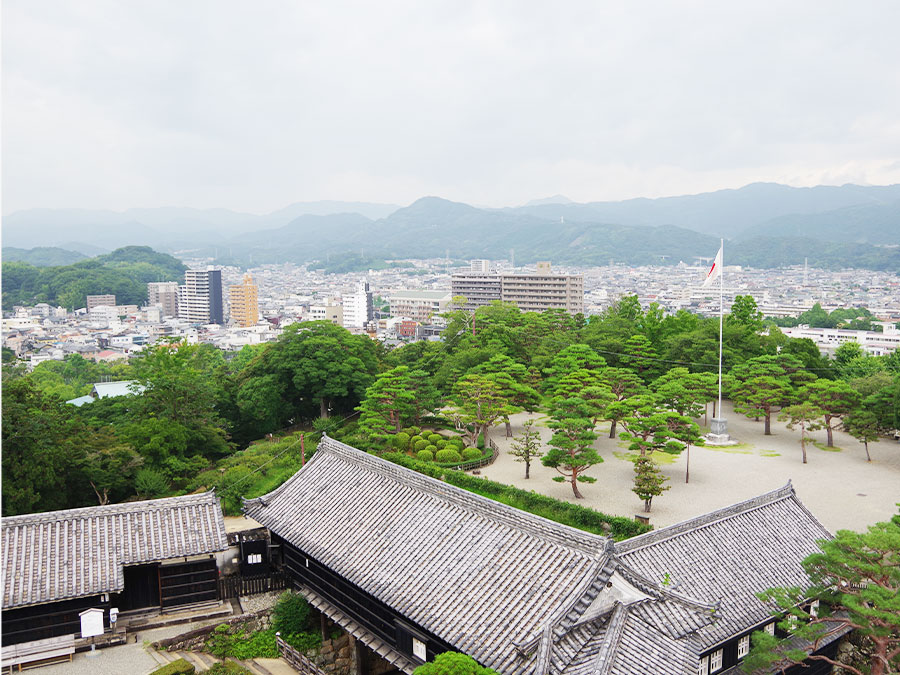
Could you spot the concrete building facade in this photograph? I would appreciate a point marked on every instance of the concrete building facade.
(245, 303)
(531, 292)
(329, 312)
(419, 305)
(359, 309)
(97, 300)
(163, 294)
(200, 299)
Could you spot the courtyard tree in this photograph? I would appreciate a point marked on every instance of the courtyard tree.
(856, 581)
(589, 386)
(648, 481)
(745, 312)
(863, 426)
(527, 447)
(571, 452)
(570, 359)
(388, 405)
(807, 416)
(480, 403)
(649, 426)
(681, 390)
(623, 384)
(453, 663)
(765, 384)
(835, 399)
(512, 379)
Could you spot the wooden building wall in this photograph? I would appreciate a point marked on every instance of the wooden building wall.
(50, 620)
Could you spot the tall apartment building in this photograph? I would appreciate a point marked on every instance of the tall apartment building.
(544, 290)
(163, 294)
(97, 300)
(245, 303)
(358, 307)
(532, 292)
(419, 305)
(200, 299)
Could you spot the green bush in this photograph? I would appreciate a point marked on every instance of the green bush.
(415, 431)
(227, 668)
(434, 438)
(574, 515)
(305, 642)
(441, 444)
(421, 444)
(447, 456)
(241, 644)
(431, 448)
(401, 441)
(471, 453)
(453, 663)
(291, 613)
(425, 455)
(179, 667)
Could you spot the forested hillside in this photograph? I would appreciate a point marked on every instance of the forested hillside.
(124, 273)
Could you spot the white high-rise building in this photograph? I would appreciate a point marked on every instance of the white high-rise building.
(200, 299)
(358, 307)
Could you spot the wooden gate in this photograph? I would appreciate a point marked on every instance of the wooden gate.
(186, 583)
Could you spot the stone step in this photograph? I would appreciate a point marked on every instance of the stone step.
(252, 666)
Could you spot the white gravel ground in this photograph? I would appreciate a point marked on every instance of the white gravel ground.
(839, 487)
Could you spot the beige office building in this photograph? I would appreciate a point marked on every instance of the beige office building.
(163, 294)
(244, 303)
(419, 306)
(531, 292)
(98, 300)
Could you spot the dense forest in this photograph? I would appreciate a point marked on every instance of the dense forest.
(125, 273)
(199, 421)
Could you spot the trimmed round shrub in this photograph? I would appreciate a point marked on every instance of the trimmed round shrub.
(401, 441)
(434, 438)
(471, 453)
(291, 613)
(425, 455)
(420, 444)
(415, 439)
(448, 455)
(458, 442)
(441, 443)
(415, 431)
(431, 448)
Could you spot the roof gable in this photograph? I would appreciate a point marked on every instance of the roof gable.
(58, 555)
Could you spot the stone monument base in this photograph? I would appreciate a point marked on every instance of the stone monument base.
(718, 433)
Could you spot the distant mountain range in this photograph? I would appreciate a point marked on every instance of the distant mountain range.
(767, 225)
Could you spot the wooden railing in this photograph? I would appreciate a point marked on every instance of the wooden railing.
(299, 661)
(478, 463)
(236, 586)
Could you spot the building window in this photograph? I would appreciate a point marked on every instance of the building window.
(715, 661)
(743, 646)
(254, 558)
(703, 668)
(770, 628)
(419, 649)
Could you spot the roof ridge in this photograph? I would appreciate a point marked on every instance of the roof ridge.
(543, 528)
(106, 509)
(707, 519)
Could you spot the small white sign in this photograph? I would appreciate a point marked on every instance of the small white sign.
(91, 622)
(419, 649)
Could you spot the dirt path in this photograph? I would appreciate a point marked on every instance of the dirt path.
(840, 488)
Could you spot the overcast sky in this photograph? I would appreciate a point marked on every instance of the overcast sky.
(254, 105)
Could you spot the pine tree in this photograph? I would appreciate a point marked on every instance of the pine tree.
(648, 481)
(526, 448)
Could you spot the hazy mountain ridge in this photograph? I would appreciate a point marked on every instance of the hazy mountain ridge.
(639, 231)
(42, 256)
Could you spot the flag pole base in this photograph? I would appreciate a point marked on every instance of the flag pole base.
(718, 433)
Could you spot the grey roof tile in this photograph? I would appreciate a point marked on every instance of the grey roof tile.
(67, 554)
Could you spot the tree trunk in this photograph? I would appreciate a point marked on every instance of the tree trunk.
(830, 442)
(803, 440)
(768, 420)
(485, 432)
(866, 444)
(323, 408)
(508, 429)
(687, 468)
(527, 469)
(647, 505)
(612, 428)
(706, 414)
(578, 495)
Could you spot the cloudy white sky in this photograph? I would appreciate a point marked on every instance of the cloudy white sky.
(254, 105)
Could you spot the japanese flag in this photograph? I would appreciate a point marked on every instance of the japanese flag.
(716, 270)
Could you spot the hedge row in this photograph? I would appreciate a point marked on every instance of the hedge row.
(573, 515)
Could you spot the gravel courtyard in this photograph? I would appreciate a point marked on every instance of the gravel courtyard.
(840, 488)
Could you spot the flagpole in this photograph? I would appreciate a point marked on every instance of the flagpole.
(721, 314)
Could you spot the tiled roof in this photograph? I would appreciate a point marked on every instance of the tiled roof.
(729, 555)
(525, 595)
(79, 552)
